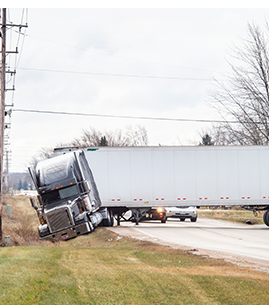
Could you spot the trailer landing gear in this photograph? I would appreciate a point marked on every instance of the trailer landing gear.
(139, 214)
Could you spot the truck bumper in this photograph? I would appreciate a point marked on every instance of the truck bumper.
(69, 233)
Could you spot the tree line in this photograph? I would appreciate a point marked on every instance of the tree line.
(131, 136)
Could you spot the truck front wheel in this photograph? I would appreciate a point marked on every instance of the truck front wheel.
(110, 220)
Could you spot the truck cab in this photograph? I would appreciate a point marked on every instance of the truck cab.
(68, 199)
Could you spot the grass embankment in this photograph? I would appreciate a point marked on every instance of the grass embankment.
(235, 215)
(102, 268)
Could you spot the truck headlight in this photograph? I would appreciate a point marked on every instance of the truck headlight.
(43, 228)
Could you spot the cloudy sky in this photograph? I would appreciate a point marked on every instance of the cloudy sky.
(156, 63)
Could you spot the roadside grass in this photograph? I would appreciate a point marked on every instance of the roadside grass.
(233, 215)
(103, 268)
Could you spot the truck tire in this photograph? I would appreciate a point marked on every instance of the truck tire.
(110, 220)
(266, 217)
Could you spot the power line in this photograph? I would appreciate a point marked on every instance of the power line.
(21, 34)
(123, 116)
(120, 75)
(118, 56)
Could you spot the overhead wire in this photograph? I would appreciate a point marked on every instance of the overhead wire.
(120, 75)
(116, 74)
(22, 34)
(118, 56)
(18, 58)
(123, 116)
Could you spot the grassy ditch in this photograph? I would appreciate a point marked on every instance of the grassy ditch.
(21, 225)
(234, 215)
(103, 268)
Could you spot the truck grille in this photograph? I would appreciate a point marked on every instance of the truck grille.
(59, 219)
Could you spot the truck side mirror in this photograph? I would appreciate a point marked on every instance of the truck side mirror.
(33, 203)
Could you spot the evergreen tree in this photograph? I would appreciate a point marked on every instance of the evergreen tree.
(20, 185)
(207, 140)
(25, 185)
(103, 141)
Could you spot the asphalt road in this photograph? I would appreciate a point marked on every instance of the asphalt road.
(216, 238)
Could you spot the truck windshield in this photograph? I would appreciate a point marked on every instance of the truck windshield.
(68, 192)
(60, 194)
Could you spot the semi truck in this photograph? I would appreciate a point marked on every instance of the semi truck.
(68, 203)
(144, 179)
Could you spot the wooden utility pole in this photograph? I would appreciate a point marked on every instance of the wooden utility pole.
(3, 104)
(2, 110)
(7, 171)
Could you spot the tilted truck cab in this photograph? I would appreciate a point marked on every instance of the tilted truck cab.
(68, 199)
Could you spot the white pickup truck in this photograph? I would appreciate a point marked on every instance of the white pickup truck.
(182, 213)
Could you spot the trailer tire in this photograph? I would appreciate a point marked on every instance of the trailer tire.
(266, 217)
(164, 220)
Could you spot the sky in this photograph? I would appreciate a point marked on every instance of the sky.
(133, 62)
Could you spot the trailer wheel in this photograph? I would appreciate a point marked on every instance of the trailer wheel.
(266, 217)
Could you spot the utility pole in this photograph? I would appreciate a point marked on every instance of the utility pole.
(2, 110)
(3, 72)
(7, 170)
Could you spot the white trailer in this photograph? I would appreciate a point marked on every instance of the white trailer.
(139, 178)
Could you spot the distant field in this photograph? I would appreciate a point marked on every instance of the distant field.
(234, 215)
(103, 268)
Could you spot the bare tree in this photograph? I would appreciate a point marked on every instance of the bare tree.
(137, 136)
(44, 153)
(244, 98)
(132, 137)
(89, 138)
